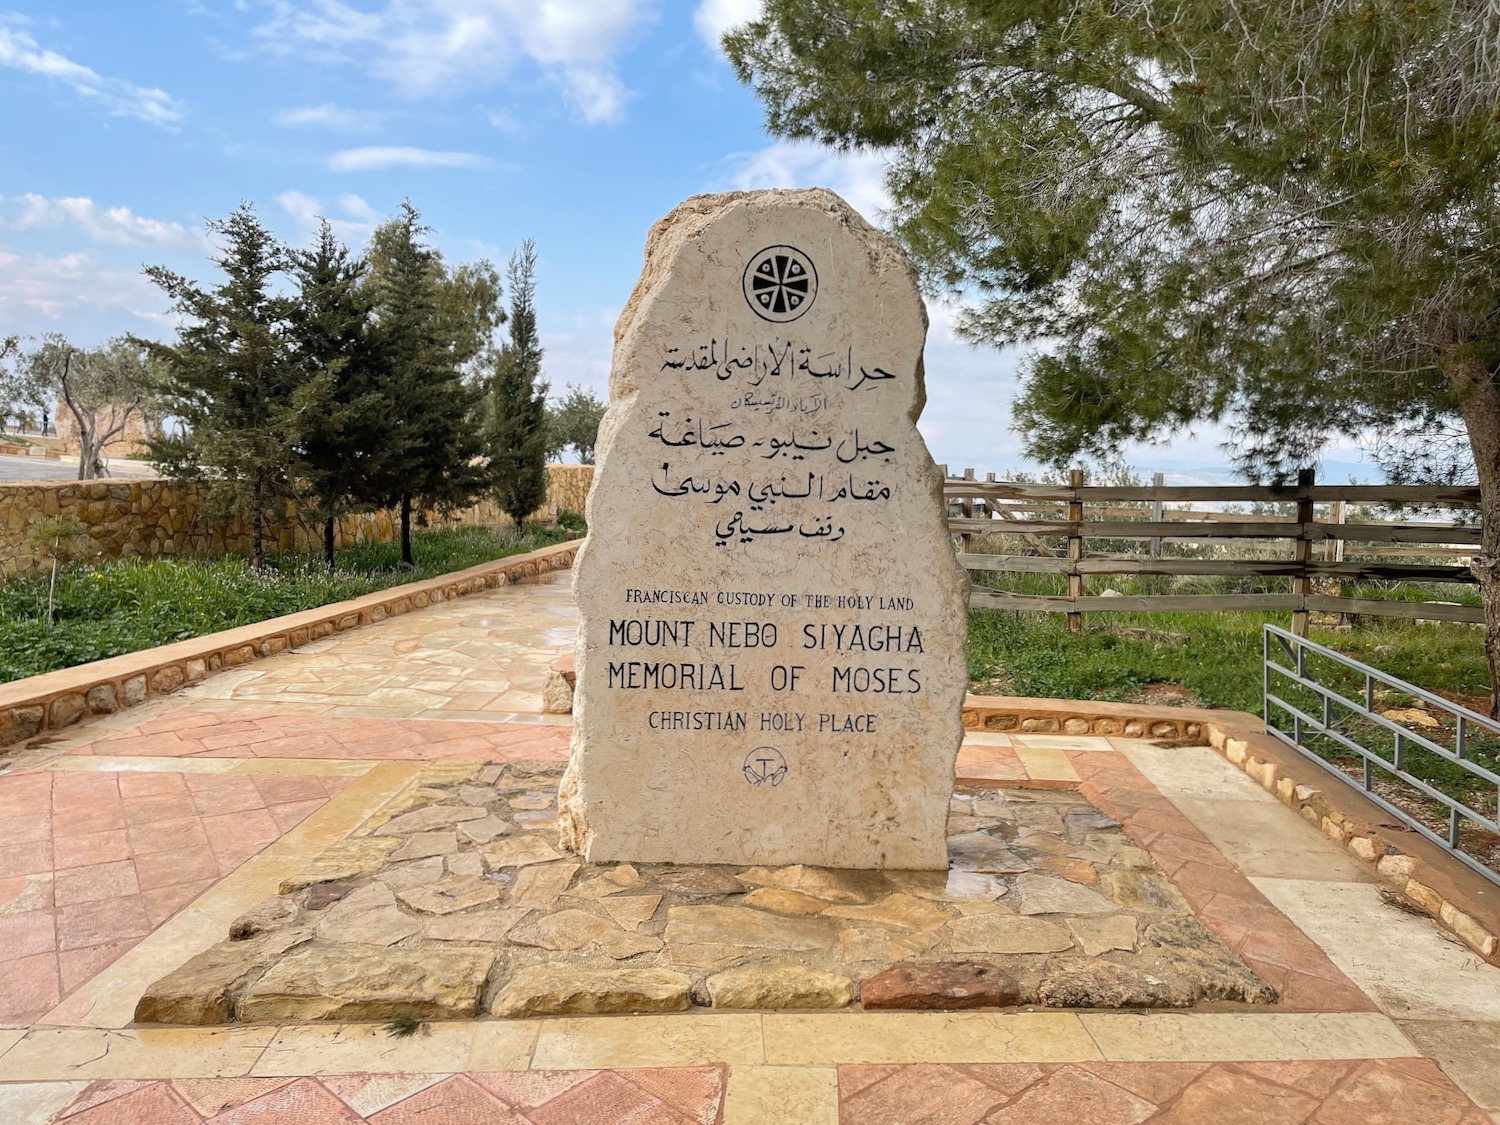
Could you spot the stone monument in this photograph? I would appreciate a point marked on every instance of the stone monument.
(771, 664)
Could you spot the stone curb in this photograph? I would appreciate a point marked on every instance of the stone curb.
(1426, 876)
(58, 699)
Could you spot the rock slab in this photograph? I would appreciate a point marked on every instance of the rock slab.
(945, 986)
(203, 990)
(557, 990)
(770, 664)
(360, 982)
(779, 986)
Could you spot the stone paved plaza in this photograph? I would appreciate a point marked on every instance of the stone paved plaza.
(133, 844)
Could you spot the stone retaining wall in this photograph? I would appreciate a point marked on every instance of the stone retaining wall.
(1419, 871)
(58, 699)
(153, 516)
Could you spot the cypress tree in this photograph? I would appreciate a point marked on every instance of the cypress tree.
(230, 381)
(431, 451)
(516, 415)
(343, 420)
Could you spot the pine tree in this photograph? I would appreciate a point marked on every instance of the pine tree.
(343, 431)
(1282, 218)
(230, 381)
(431, 452)
(516, 416)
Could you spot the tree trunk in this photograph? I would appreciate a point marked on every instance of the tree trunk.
(1479, 399)
(406, 529)
(258, 526)
(328, 543)
(88, 454)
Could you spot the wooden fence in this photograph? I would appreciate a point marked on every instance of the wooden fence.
(1076, 513)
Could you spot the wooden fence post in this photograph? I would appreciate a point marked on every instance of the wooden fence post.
(1075, 548)
(1158, 512)
(967, 508)
(1302, 548)
(1333, 549)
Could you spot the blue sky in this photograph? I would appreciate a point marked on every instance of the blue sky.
(574, 122)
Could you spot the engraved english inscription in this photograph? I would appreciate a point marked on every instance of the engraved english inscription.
(771, 664)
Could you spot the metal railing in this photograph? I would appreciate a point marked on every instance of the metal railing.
(1339, 721)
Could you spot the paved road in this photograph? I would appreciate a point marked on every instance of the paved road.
(14, 468)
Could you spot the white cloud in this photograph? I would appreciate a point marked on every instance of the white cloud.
(355, 221)
(505, 121)
(577, 345)
(597, 96)
(330, 116)
(73, 292)
(117, 225)
(392, 156)
(427, 47)
(857, 176)
(714, 17)
(118, 97)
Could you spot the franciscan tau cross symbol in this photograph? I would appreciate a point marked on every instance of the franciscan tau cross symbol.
(765, 763)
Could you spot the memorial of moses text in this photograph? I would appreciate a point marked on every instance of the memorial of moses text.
(771, 658)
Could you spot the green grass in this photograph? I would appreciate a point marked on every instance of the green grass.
(1217, 656)
(117, 606)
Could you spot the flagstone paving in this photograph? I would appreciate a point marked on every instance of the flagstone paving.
(129, 844)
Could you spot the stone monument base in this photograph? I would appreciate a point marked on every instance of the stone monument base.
(453, 902)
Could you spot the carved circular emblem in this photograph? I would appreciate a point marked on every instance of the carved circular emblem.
(765, 765)
(780, 283)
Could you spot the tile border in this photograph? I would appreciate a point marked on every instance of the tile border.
(770, 1041)
(1460, 901)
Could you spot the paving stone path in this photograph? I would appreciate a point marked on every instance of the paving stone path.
(131, 845)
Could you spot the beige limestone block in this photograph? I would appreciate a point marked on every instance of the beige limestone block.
(552, 990)
(425, 844)
(631, 910)
(519, 851)
(567, 929)
(539, 886)
(903, 911)
(779, 985)
(450, 894)
(830, 886)
(784, 902)
(709, 956)
(358, 982)
(1047, 894)
(202, 991)
(369, 916)
(557, 695)
(479, 926)
(770, 667)
(1100, 935)
(755, 929)
(1007, 933)
(429, 819)
(875, 943)
(361, 856)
